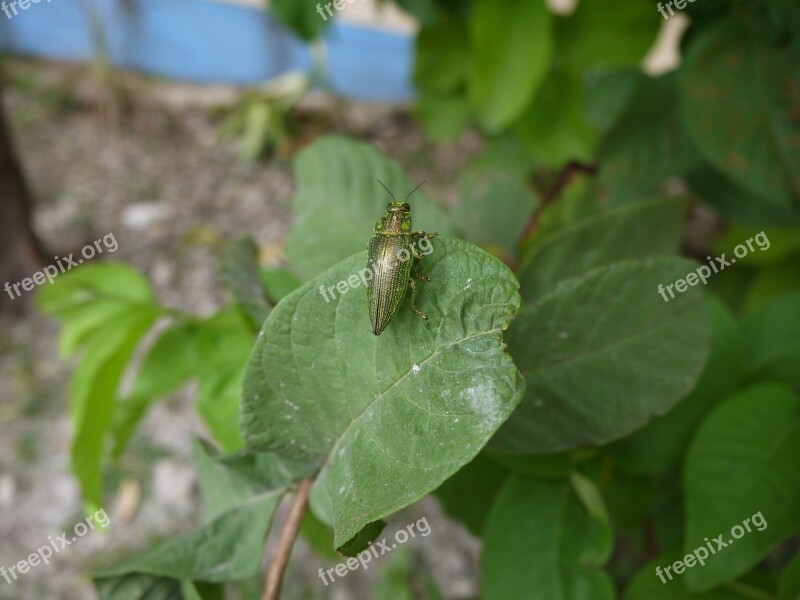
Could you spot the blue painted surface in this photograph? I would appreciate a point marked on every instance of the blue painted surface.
(209, 42)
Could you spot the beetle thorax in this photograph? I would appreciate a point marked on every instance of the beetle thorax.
(395, 220)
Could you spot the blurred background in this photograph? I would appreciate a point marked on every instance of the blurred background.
(173, 126)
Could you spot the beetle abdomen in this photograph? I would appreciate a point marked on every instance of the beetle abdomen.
(389, 258)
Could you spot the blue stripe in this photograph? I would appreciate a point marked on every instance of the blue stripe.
(209, 42)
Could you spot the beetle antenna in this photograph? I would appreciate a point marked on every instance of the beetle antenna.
(387, 189)
(415, 189)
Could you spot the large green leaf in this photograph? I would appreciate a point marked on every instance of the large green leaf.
(629, 29)
(86, 299)
(105, 310)
(647, 585)
(339, 200)
(736, 203)
(93, 393)
(442, 56)
(743, 462)
(661, 444)
(790, 580)
(387, 418)
(468, 494)
(219, 373)
(443, 116)
(607, 94)
(554, 127)
(242, 276)
(539, 542)
(627, 232)
(509, 57)
(771, 335)
(229, 481)
(747, 130)
(168, 364)
(135, 586)
(278, 283)
(494, 207)
(603, 353)
(647, 145)
(191, 350)
(242, 494)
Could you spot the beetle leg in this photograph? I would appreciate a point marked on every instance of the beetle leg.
(415, 253)
(421, 233)
(414, 290)
(420, 276)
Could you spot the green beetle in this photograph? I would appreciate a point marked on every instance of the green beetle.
(391, 251)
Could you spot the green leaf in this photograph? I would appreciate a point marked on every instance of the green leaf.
(504, 152)
(602, 354)
(395, 581)
(242, 276)
(105, 309)
(319, 536)
(191, 350)
(647, 145)
(167, 365)
(427, 12)
(539, 537)
(320, 385)
(668, 513)
(93, 393)
(442, 57)
(494, 207)
(790, 581)
(781, 244)
(735, 202)
(660, 445)
(278, 283)
(628, 232)
(339, 200)
(443, 116)
(628, 31)
(749, 131)
(771, 335)
(138, 587)
(86, 299)
(544, 466)
(509, 57)
(577, 202)
(262, 128)
(226, 549)
(220, 374)
(607, 94)
(554, 127)
(362, 540)
(469, 493)
(646, 585)
(218, 396)
(242, 494)
(771, 282)
(589, 496)
(228, 481)
(744, 453)
(629, 498)
(114, 281)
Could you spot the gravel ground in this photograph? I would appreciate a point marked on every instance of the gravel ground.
(171, 191)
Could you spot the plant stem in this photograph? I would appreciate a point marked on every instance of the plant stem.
(564, 178)
(272, 587)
